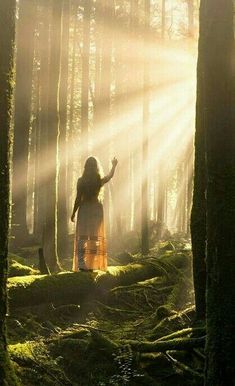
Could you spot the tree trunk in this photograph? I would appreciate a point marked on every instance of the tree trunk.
(63, 96)
(24, 70)
(85, 78)
(7, 37)
(98, 30)
(198, 215)
(161, 199)
(50, 231)
(144, 193)
(70, 133)
(42, 171)
(217, 36)
(105, 112)
(191, 18)
(163, 21)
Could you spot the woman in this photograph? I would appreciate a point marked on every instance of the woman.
(90, 247)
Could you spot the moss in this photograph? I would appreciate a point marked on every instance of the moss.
(13, 257)
(71, 287)
(64, 287)
(83, 343)
(6, 369)
(18, 269)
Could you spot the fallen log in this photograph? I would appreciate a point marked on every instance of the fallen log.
(73, 287)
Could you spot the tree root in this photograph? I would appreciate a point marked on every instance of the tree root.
(181, 333)
(182, 366)
(163, 346)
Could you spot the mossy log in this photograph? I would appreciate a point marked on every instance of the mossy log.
(18, 269)
(71, 287)
(163, 346)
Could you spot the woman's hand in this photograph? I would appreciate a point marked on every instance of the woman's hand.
(114, 161)
(73, 217)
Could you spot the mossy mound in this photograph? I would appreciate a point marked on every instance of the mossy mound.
(18, 269)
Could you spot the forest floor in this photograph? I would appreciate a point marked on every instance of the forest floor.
(133, 325)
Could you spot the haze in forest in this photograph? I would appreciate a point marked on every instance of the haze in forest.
(141, 85)
(126, 73)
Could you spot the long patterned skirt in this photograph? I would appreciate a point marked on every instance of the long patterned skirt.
(90, 244)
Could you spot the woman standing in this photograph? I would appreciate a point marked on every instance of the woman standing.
(90, 245)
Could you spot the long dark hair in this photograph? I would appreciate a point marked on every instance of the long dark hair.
(91, 179)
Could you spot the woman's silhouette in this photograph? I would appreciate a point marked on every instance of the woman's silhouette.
(90, 246)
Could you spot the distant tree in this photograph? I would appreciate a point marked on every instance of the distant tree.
(85, 76)
(40, 176)
(105, 78)
(50, 230)
(23, 94)
(134, 82)
(146, 96)
(190, 4)
(163, 19)
(63, 96)
(7, 37)
(98, 45)
(44, 15)
(161, 197)
(72, 93)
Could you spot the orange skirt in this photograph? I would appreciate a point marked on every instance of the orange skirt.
(89, 243)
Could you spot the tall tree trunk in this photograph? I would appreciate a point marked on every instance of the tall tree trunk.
(144, 195)
(163, 21)
(63, 96)
(50, 231)
(217, 36)
(189, 188)
(198, 215)
(190, 18)
(118, 108)
(85, 77)
(24, 69)
(105, 108)
(37, 165)
(134, 84)
(98, 35)
(42, 178)
(70, 132)
(161, 199)
(7, 37)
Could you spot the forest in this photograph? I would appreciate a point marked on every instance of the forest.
(117, 192)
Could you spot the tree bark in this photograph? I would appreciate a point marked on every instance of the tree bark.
(85, 78)
(7, 38)
(63, 96)
(50, 230)
(198, 215)
(144, 192)
(42, 178)
(217, 36)
(23, 94)
(190, 18)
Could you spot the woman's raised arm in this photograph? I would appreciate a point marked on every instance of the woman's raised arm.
(111, 173)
